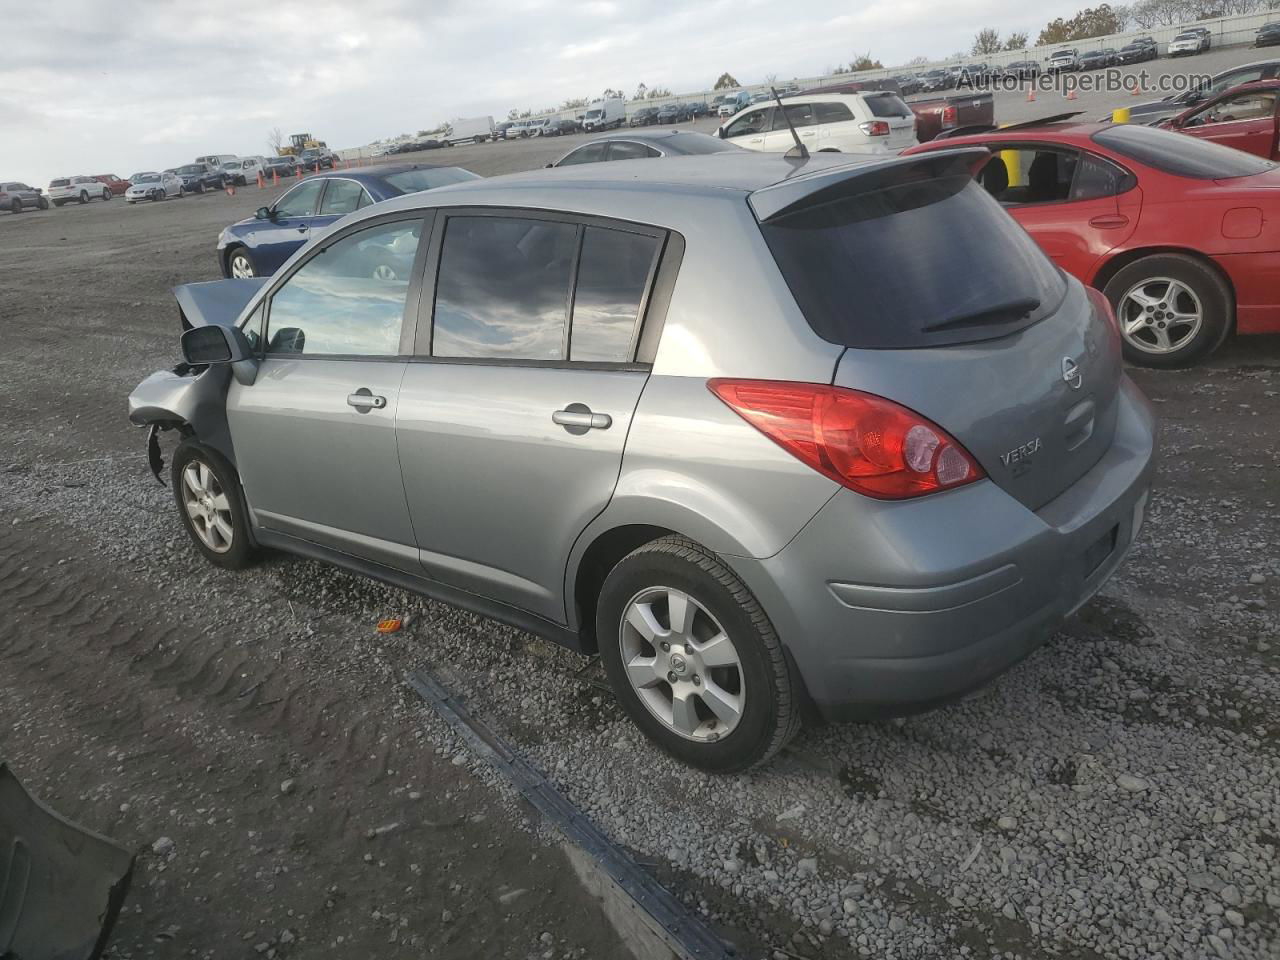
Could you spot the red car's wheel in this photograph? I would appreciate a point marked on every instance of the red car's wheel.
(1172, 309)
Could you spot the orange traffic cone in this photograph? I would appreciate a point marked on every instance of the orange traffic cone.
(297, 171)
(317, 166)
(1071, 94)
(1137, 89)
(1031, 95)
(262, 181)
(231, 189)
(275, 178)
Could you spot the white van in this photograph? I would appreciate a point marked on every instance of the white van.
(875, 121)
(605, 115)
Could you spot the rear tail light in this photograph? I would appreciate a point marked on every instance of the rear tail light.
(949, 116)
(864, 442)
(875, 128)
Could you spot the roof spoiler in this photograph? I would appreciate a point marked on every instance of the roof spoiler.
(809, 189)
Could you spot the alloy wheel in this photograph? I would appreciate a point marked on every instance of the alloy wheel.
(240, 265)
(208, 506)
(682, 664)
(1160, 315)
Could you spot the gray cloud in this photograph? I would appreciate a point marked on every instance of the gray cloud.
(132, 85)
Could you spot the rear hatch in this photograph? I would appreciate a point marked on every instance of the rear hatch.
(947, 306)
(890, 107)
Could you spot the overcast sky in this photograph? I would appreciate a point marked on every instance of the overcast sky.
(118, 86)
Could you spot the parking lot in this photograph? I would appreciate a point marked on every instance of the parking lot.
(1115, 795)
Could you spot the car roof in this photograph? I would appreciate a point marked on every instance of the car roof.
(379, 171)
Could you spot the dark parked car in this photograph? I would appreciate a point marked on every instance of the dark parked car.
(1139, 50)
(643, 117)
(258, 245)
(500, 130)
(561, 127)
(1094, 60)
(1268, 35)
(908, 83)
(199, 177)
(936, 80)
(698, 109)
(284, 166)
(1024, 69)
(673, 113)
(314, 156)
(16, 197)
(639, 146)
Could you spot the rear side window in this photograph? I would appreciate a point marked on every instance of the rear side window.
(895, 267)
(503, 288)
(1096, 177)
(591, 153)
(887, 105)
(832, 112)
(1181, 155)
(613, 275)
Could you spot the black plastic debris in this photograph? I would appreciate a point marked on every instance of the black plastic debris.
(61, 886)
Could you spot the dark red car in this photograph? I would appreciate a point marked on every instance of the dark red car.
(114, 183)
(1246, 118)
(1181, 234)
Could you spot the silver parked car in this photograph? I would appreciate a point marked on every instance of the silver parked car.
(870, 473)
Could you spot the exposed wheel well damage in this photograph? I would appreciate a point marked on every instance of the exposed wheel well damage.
(601, 557)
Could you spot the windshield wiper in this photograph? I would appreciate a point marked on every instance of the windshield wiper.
(1013, 309)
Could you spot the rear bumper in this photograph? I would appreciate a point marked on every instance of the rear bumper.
(893, 607)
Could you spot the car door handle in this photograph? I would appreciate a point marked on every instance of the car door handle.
(582, 418)
(1109, 221)
(366, 401)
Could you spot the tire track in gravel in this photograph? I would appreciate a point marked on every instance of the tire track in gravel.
(200, 729)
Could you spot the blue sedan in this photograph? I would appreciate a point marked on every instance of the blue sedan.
(258, 245)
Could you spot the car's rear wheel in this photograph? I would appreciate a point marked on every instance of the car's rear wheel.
(211, 504)
(43, 203)
(106, 194)
(694, 659)
(1172, 309)
(240, 264)
(84, 197)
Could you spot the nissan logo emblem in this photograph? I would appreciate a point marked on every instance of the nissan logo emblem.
(1071, 373)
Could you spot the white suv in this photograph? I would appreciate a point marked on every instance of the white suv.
(872, 122)
(81, 189)
(243, 170)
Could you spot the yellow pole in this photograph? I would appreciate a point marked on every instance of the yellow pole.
(1120, 115)
(1013, 163)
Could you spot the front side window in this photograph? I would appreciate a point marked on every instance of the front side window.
(503, 288)
(301, 201)
(348, 299)
(591, 153)
(613, 275)
(342, 197)
(754, 122)
(1029, 175)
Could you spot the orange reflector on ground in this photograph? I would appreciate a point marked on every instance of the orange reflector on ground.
(390, 625)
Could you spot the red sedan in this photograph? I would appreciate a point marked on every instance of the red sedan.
(1246, 118)
(1181, 234)
(114, 183)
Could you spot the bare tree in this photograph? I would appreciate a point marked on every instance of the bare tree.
(1017, 40)
(275, 139)
(986, 41)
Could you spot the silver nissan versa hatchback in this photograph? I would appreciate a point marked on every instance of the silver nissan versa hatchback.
(762, 433)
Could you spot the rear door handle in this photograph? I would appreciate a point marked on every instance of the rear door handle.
(366, 401)
(580, 417)
(1109, 221)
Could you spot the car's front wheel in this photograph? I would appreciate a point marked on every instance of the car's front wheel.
(694, 659)
(106, 194)
(1172, 309)
(84, 197)
(240, 264)
(15, 206)
(211, 504)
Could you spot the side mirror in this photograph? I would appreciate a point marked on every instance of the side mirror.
(215, 343)
(264, 213)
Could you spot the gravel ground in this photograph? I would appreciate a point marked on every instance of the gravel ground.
(1116, 795)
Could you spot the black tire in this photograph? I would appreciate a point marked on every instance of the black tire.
(240, 252)
(58, 203)
(106, 195)
(43, 203)
(240, 552)
(15, 206)
(1217, 307)
(84, 196)
(771, 714)
(199, 186)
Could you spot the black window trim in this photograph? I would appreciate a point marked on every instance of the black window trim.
(408, 329)
(1081, 152)
(653, 304)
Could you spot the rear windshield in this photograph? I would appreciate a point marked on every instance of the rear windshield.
(58, 183)
(192, 168)
(1186, 36)
(427, 178)
(887, 105)
(918, 264)
(1181, 155)
(145, 178)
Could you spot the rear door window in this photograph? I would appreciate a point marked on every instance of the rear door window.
(503, 288)
(894, 267)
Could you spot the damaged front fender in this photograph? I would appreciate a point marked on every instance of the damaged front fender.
(192, 400)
